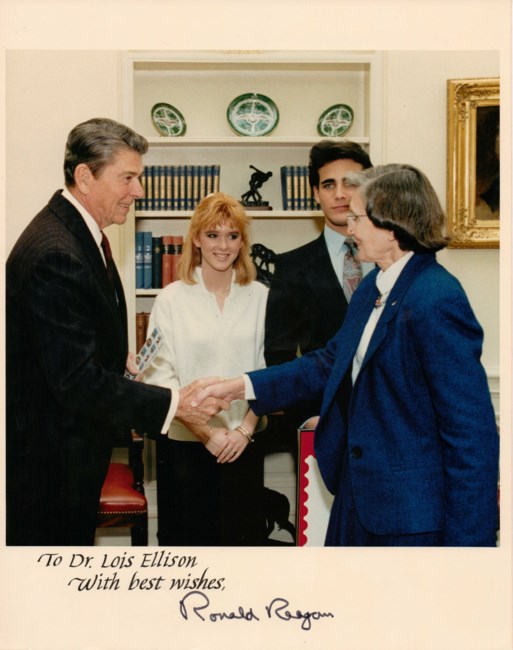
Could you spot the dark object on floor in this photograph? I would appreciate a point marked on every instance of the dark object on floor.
(276, 511)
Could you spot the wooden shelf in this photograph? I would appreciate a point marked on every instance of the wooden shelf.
(255, 214)
(243, 141)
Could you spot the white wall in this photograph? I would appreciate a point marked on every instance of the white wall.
(48, 92)
(415, 107)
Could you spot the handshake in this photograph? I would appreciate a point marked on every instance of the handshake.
(203, 398)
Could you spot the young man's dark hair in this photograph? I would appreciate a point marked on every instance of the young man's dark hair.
(328, 150)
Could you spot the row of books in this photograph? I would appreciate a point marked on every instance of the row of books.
(177, 187)
(295, 188)
(181, 187)
(156, 259)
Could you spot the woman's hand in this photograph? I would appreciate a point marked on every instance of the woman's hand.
(236, 443)
(217, 440)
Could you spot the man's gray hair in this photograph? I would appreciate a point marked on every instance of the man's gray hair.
(95, 143)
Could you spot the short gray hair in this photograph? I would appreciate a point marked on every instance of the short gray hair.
(400, 198)
(95, 143)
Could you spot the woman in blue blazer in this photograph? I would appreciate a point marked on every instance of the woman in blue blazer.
(407, 440)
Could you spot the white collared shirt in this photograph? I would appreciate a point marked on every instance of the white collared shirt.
(385, 281)
(89, 220)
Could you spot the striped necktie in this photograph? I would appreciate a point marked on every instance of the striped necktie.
(352, 271)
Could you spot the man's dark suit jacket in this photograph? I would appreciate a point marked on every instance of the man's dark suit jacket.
(66, 394)
(305, 309)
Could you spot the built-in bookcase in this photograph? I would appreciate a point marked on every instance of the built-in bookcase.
(201, 85)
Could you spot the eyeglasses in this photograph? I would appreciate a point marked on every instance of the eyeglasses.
(352, 219)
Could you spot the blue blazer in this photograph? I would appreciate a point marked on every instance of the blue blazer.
(418, 426)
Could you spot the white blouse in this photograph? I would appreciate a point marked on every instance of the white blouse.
(200, 340)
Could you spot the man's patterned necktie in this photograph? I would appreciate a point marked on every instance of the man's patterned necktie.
(352, 272)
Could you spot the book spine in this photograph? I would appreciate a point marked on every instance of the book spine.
(309, 193)
(166, 260)
(140, 329)
(156, 263)
(189, 201)
(147, 255)
(150, 204)
(295, 187)
(139, 246)
(302, 187)
(195, 186)
(161, 184)
(209, 183)
(182, 196)
(176, 254)
(283, 178)
(202, 182)
(144, 183)
(217, 177)
(176, 187)
(167, 188)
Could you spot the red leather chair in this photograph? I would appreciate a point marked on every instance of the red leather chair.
(122, 500)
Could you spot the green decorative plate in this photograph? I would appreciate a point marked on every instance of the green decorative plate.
(335, 120)
(168, 120)
(252, 114)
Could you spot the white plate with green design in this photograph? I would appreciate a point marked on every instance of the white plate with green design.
(252, 114)
(168, 120)
(335, 120)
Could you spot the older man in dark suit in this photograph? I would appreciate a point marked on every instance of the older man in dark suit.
(67, 346)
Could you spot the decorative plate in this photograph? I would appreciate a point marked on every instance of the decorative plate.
(168, 120)
(335, 120)
(252, 114)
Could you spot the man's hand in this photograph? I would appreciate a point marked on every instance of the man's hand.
(199, 413)
(226, 390)
(132, 367)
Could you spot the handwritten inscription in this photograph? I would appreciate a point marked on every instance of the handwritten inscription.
(196, 604)
(165, 571)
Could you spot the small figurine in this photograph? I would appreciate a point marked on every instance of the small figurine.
(252, 198)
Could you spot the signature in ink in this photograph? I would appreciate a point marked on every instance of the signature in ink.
(197, 604)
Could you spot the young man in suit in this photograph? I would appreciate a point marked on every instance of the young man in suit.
(67, 346)
(307, 303)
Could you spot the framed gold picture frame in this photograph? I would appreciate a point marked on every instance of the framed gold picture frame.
(473, 187)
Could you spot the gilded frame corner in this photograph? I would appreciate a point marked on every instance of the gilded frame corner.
(473, 221)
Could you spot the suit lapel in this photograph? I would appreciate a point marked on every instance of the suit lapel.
(348, 337)
(360, 308)
(324, 285)
(320, 266)
(74, 222)
(394, 302)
